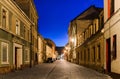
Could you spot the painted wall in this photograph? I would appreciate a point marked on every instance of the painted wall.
(111, 28)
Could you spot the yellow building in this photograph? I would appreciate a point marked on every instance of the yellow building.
(29, 8)
(41, 49)
(86, 39)
(67, 52)
(50, 48)
(15, 37)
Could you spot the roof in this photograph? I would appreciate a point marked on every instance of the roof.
(90, 13)
(84, 19)
(50, 42)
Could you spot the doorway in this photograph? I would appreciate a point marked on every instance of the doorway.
(17, 56)
(108, 55)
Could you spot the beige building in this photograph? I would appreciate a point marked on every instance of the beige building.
(29, 8)
(41, 49)
(50, 49)
(111, 34)
(86, 39)
(67, 52)
(15, 37)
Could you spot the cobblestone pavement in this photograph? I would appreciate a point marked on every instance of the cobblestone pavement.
(60, 69)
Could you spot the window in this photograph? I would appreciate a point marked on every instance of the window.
(97, 24)
(89, 31)
(27, 55)
(84, 35)
(98, 51)
(101, 21)
(93, 54)
(94, 26)
(81, 55)
(93, 29)
(28, 35)
(4, 18)
(17, 27)
(25, 30)
(4, 53)
(114, 48)
(85, 55)
(88, 54)
(110, 7)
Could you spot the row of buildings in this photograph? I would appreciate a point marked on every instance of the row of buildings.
(94, 38)
(20, 43)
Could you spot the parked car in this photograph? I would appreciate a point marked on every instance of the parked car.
(49, 60)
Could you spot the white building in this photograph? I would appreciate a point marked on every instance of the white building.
(112, 35)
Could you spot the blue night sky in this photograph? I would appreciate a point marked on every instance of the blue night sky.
(55, 15)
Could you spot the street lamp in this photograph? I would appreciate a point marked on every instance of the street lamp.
(72, 40)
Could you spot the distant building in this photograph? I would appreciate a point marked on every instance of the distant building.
(67, 52)
(50, 48)
(41, 49)
(60, 51)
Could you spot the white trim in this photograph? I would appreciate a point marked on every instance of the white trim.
(17, 31)
(7, 19)
(7, 62)
(20, 53)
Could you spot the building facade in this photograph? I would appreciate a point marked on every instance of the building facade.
(72, 42)
(67, 52)
(86, 39)
(15, 37)
(29, 9)
(50, 49)
(41, 49)
(111, 34)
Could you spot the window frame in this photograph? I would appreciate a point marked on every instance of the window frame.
(17, 28)
(27, 54)
(99, 52)
(7, 18)
(7, 59)
(114, 47)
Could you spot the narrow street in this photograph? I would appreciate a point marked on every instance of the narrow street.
(60, 69)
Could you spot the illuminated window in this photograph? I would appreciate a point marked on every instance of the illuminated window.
(4, 53)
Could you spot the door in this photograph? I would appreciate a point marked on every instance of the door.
(18, 57)
(108, 55)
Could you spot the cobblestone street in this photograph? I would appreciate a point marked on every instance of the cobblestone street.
(60, 69)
